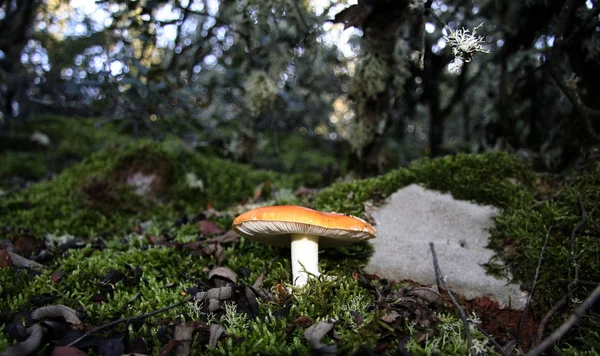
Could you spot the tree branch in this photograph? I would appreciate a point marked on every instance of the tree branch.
(584, 111)
(567, 325)
(119, 321)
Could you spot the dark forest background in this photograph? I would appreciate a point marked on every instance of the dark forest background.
(282, 85)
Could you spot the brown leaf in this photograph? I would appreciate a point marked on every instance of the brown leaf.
(5, 260)
(229, 236)
(222, 273)
(390, 316)
(303, 321)
(208, 227)
(212, 212)
(220, 254)
(305, 191)
(137, 346)
(172, 345)
(423, 336)
(258, 191)
(56, 276)
(27, 244)
(258, 281)
(67, 351)
(430, 295)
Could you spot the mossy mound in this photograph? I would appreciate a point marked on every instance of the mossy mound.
(530, 203)
(116, 188)
(495, 178)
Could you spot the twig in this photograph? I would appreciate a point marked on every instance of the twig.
(573, 259)
(492, 340)
(580, 282)
(436, 17)
(540, 330)
(463, 315)
(584, 111)
(143, 316)
(567, 325)
(535, 279)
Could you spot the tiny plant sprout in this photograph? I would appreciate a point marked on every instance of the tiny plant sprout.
(304, 231)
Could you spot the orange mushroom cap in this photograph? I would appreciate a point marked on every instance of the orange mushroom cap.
(273, 225)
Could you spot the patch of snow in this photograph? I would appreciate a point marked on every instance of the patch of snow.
(412, 218)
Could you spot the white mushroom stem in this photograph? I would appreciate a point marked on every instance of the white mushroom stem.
(305, 258)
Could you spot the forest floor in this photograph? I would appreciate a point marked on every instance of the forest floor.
(130, 250)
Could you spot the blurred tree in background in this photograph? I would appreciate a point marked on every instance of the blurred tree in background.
(304, 85)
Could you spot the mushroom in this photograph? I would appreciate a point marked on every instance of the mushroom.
(304, 230)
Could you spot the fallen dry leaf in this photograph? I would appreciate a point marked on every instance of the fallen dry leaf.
(216, 331)
(183, 334)
(56, 276)
(5, 260)
(32, 343)
(229, 236)
(54, 311)
(315, 333)
(208, 227)
(222, 276)
(20, 261)
(27, 244)
(67, 351)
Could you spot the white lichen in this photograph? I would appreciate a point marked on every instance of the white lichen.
(591, 46)
(261, 91)
(372, 77)
(193, 181)
(464, 44)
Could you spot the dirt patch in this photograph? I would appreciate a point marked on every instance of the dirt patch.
(500, 322)
(99, 195)
(149, 176)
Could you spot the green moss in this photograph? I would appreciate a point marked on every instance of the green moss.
(94, 196)
(4, 340)
(274, 336)
(500, 179)
(494, 178)
(530, 205)
(81, 280)
(70, 140)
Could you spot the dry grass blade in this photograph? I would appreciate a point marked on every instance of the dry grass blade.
(463, 315)
(535, 279)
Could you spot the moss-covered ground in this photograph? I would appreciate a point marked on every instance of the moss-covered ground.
(139, 211)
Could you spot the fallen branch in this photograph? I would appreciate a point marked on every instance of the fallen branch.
(492, 340)
(535, 279)
(463, 315)
(567, 325)
(116, 322)
(540, 330)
